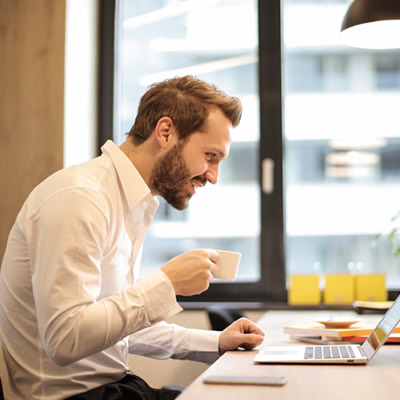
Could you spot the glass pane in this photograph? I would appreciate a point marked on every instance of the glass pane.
(342, 145)
(217, 42)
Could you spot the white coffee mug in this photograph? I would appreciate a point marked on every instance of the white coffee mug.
(228, 265)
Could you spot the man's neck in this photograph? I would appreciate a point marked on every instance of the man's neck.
(142, 156)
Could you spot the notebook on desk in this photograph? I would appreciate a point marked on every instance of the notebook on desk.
(335, 354)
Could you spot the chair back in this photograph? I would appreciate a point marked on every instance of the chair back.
(220, 316)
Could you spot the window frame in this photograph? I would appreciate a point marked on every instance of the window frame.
(106, 82)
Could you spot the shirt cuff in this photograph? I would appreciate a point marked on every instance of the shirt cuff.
(159, 296)
(203, 340)
(206, 345)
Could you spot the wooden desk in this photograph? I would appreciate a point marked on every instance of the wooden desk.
(379, 380)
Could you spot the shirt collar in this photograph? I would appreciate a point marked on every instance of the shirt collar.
(133, 185)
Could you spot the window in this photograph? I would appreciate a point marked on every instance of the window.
(329, 109)
(342, 142)
(387, 72)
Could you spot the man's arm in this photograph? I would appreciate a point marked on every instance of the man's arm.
(68, 240)
(164, 341)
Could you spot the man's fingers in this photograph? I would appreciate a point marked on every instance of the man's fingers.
(214, 268)
(213, 256)
(251, 340)
(248, 327)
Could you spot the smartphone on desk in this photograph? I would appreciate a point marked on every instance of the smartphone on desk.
(246, 380)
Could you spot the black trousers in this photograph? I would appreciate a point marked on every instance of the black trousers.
(131, 387)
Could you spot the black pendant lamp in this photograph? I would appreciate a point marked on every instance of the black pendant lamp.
(372, 24)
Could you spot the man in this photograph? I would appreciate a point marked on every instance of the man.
(71, 307)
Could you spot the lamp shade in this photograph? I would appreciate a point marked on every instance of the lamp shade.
(372, 24)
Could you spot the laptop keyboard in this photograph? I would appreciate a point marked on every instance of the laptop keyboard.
(328, 352)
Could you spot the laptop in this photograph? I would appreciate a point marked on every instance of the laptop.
(335, 354)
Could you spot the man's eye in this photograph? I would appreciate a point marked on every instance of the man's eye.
(211, 156)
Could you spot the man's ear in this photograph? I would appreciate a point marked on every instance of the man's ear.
(164, 131)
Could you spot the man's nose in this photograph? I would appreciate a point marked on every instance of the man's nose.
(212, 173)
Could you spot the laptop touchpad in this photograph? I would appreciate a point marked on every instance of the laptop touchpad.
(282, 352)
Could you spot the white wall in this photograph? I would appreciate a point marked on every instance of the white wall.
(81, 79)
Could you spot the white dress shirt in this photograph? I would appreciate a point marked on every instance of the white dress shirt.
(70, 307)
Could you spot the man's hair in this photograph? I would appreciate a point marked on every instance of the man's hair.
(187, 101)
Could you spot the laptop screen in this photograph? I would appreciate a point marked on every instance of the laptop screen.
(385, 327)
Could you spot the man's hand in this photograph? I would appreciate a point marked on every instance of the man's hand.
(191, 272)
(241, 333)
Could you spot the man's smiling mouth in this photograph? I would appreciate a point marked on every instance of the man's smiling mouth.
(198, 183)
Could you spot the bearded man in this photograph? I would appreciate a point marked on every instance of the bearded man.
(71, 307)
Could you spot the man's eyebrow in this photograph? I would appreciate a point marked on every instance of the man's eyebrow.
(220, 153)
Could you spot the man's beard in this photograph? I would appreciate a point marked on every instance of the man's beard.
(169, 176)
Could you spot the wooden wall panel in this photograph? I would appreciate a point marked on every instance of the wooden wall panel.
(32, 36)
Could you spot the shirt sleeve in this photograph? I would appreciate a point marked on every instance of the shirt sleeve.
(67, 238)
(165, 340)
